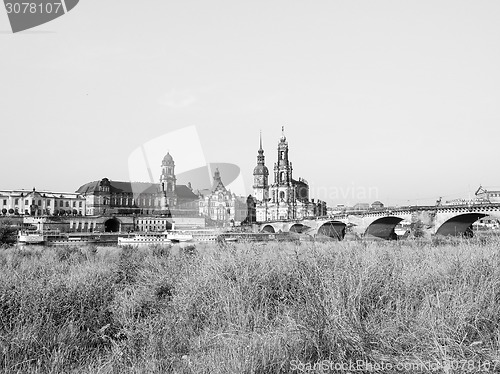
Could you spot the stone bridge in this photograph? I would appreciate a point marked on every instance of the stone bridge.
(321, 226)
(455, 220)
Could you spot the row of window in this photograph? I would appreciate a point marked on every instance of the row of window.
(151, 222)
(125, 201)
(47, 211)
(216, 204)
(78, 225)
(39, 203)
(151, 227)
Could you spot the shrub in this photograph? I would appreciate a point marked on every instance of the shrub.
(248, 308)
(50, 319)
(7, 232)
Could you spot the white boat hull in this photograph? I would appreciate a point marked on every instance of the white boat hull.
(138, 241)
(31, 238)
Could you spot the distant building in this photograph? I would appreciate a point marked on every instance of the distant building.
(377, 205)
(361, 207)
(338, 209)
(153, 223)
(38, 203)
(165, 198)
(483, 195)
(459, 201)
(221, 206)
(286, 198)
(491, 194)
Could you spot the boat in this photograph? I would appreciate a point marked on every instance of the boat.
(72, 240)
(200, 235)
(179, 236)
(30, 237)
(402, 228)
(155, 238)
(146, 239)
(233, 236)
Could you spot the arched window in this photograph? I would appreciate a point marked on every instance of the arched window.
(282, 195)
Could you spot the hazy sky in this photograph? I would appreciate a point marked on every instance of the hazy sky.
(395, 101)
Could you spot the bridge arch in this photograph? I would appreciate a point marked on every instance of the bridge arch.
(459, 225)
(298, 228)
(384, 227)
(333, 229)
(112, 225)
(269, 229)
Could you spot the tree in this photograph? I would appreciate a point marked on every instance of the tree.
(417, 229)
(7, 232)
(11, 211)
(4, 211)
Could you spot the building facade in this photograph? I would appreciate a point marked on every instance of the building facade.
(167, 198)
(488, 194)
(41, 203)
(286, 198)
(220, 206)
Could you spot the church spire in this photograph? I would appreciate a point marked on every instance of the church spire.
(260, 156)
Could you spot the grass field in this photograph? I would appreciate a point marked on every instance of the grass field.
(247, 308)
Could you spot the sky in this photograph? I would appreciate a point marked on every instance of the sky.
(396, 101)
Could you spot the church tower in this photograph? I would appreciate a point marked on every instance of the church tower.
(282, 190)
(283, 171)
(167, 182)
(260, 177)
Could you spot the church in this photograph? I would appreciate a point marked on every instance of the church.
(167, 198)
(220, 206)
(286, 198)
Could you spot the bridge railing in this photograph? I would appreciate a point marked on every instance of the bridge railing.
(415, 208)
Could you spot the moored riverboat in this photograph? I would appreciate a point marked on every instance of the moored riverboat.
(30, 237)
(155, 238)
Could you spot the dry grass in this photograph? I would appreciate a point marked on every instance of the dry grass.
(248, 308)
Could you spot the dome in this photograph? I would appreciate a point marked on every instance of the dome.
(261, 170)
(168, 158)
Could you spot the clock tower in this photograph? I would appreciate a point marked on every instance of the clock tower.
(260, 177)
(168, 183)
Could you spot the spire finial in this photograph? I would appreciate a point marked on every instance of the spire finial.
(260, 139)
(283, 137)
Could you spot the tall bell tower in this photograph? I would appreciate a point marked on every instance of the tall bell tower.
(260, 177)
(282, 191)
(168, 182)
(283, 170)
